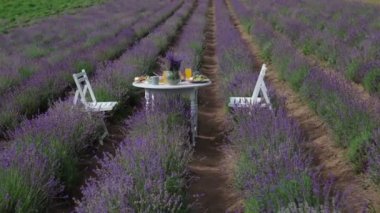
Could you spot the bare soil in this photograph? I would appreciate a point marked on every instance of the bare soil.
(212, 166)
(360, 192)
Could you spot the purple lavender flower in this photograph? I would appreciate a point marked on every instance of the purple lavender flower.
(147, 172)
(48, 83)
(27, 180)
(273, 171)
(174, 61)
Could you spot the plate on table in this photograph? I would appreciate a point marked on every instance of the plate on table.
(197, 79)
(199, 82)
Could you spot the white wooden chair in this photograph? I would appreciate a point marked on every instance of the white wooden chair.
(84, 86)
(243, 102)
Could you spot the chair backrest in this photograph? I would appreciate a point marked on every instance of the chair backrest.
(259, 82)
(83, 86)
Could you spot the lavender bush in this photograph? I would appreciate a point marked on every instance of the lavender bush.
(235, 63)
(120, 73)
(147, 172)
(43, 151)
(42, 87)
(348, 43)
(352, 120)
(272, 170)
(27, 180)
(190, 43)
(349, 118)
(61, 133)
(27, 50)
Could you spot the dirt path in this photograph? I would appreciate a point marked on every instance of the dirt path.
(332, 159)
(212, 188)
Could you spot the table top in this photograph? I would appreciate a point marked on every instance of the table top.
(181, 85)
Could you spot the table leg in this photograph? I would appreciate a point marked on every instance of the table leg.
(194, 113)
(152, 100)
(147, 99)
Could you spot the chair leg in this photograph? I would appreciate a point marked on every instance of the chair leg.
(104, 134)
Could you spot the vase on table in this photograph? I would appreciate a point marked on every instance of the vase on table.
(173, 75)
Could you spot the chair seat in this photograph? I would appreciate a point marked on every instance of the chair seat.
(243, 101)
(100, 106)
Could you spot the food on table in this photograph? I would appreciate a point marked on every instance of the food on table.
(141, 79)
(199, 78)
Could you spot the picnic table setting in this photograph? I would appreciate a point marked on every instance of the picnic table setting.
(174, 81)
(173, 75)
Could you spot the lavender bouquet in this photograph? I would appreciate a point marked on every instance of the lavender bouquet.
(175, 64)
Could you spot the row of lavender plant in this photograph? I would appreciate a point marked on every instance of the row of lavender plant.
(113, 80)
(54, 141)
(42, 154)
(235, 64)
(272, 170)
(190, 44)
(29, 50)
(45, 86)
(147, 174)
(352, 120)
(346, 35)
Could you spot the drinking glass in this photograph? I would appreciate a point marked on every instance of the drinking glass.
(165, 77)
(188, 73)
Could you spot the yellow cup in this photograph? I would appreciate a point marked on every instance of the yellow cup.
(165, 77)
(188, 73)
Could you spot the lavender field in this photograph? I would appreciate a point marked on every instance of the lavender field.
(314, 148)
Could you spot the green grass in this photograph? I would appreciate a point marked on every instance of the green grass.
(18, 189)
(14, 13)
(371, 81)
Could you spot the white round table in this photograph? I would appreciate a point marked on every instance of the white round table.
(183, 87)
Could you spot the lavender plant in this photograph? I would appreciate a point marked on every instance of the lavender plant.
(147, 172)
(60, 134)
(121, 73)
(348, 43)
(60, 143)
(349, 118)
(34, 95)
(159, 185)
(27, 180)
(272, 170)
(55, 43)
(235, 63)
(352, 120)
(190, 43)
(63, 132)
